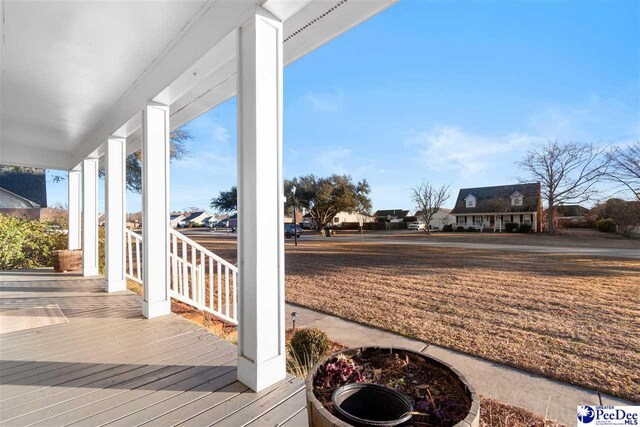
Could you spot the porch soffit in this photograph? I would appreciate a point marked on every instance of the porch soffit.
(189, 65)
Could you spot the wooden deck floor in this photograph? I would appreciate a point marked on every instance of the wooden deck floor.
(110, 366)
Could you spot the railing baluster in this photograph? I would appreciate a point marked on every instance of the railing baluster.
(138, 275)
(174, 262)
(210, 283)
(185, 275)
(201, 285)
(193, 273)
(226, 290)
(129, 255)
(235, 295)
(219, 280)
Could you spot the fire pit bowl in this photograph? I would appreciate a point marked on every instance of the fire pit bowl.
(372, 404)
(408, 388)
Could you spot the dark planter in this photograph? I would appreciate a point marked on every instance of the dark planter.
(319, 416)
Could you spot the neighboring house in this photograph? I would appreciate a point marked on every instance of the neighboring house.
(23, 193)
(571, 215)
(174, 220)
(211, 221)
(492, 207)
(439, 219)
(288, 219)
(233, 221)
(391, 215)
(195, 218)
(354, 217)
(338, 220)
(102, 220)
(307, 222)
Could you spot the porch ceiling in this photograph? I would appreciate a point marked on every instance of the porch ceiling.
(74, 73)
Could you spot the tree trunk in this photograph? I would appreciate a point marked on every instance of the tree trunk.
(551, 225)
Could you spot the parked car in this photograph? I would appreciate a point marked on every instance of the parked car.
(289, 230)
(420, 226)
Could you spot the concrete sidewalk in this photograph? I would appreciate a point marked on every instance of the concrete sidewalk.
(543, 396)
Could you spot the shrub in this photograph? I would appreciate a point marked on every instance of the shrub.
(606, 225)
(28, 243)
(101, 250)
(511, 227)
(471, 229)
(525, 228)
(309, 344)
(459, 228)
(448, 228)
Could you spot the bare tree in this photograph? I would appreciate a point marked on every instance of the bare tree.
(429, 200)
(625, 168)
(568, 173)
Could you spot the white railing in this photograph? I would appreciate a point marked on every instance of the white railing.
(198, 277)
(202, 279)
(133, 266)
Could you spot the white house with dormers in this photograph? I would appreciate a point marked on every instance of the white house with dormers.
(490, 208)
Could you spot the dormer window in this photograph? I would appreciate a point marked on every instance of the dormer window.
(516, 199)
(470, 201)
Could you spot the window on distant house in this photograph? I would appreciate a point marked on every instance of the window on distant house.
(336, 219)
(516, 199)
(470, 201)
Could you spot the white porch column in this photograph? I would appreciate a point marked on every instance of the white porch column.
(115, 214)
(261, 359)
(155, 210)
(74, 208)
(90, 217)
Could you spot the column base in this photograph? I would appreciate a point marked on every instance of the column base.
(155, 309)
(114, 285)
(258, 376)
(86, 272)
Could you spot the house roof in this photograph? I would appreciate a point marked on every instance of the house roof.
(445, 210)
(194, 215)
(498, 199)
(571, 210)
(28, 183)
(394, 213)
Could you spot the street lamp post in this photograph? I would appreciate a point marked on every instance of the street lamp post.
(295, 225)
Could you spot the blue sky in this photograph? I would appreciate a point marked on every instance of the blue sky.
(439, 91)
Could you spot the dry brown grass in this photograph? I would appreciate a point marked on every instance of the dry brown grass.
(497, 414)
(573, 318)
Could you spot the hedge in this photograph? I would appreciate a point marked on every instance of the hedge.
(28, 243)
